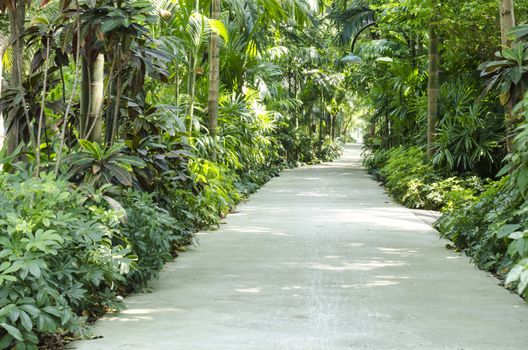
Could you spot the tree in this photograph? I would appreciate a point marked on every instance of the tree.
(507, 20)
(214, 76)
(17, 18)
(3, 46)
(432, 91)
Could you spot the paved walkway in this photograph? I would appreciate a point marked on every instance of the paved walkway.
(319, 259)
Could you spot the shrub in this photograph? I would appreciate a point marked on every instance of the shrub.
(69, 252)
(404, 165)
(60, 260)
(493, 231)
(413, 182)
(153, 234)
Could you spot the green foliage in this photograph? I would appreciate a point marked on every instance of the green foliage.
(469, 136)
(478, 227)
(60, 258)
(517, 162)
(135, 75)
(217, 192)
(486, 220)
(508, 73)
(99, 166)
(402, 167)
(69, 252)
(153, 234)
(412, 182)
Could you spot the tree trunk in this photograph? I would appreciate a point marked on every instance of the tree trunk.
(3, 45)
(177, 87)
(112, 119)
(17, 18)
(41, 120)
(192, 93)
(92, 90)
(432, 91)
(84, 97)
(214, 77)
(507, 21)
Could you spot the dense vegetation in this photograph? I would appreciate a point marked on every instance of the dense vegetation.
(125, 126)
(128, 125)
(443, 86)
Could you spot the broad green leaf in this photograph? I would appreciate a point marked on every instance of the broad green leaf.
(516, 74)
(507, 230)
(15, 333)
(25, 320)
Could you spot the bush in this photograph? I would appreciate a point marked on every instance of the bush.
(492, 230)
(60, 260)
(474, 228)
(153, 234)
(413, 182)
(69, 253)
(404, 173)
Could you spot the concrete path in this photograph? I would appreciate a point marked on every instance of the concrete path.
(319, 259)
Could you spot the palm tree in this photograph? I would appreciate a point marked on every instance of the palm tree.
(432, 91)
(3, 45)
(17, 18)
(507, 20)
(214, 76)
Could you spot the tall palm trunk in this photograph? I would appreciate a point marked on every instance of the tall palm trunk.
(17, 17)
(214, 77)
(92, 90)
(3, 44)
(192, 92)
(432, 91)
(507, 20)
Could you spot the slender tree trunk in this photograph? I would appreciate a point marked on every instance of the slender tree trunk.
(65, 121)
(177, 86)
(333, 126)
(112, 119)
(214, 77)
(3, 45)
(41, 120)
(85, 97)
(96, 100)
(321, 120)
(92, 95)
(192, 93)
(119, 88)
(372, 129)
(432, 91)
(507, 20)
(17, 17)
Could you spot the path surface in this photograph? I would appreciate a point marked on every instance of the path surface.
(319, 259)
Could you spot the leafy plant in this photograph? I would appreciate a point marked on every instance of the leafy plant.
(98, 166)
(153, 241)
(59, 258)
